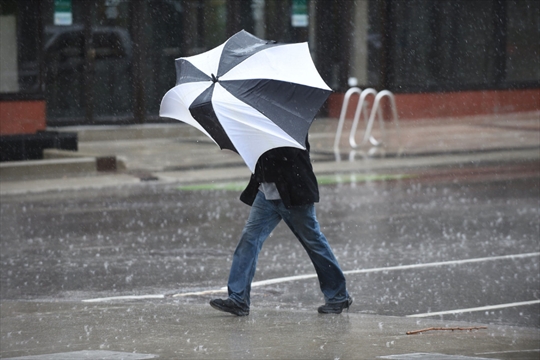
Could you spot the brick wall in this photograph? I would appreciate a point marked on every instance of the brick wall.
(451, 104)
(22, 116)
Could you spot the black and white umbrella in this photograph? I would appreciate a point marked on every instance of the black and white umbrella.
(248, 95)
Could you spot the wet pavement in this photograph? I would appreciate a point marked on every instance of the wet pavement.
(125, 269)
(191, 331)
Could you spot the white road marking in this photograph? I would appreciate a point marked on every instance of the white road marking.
(253, 284)
(442, 263)
(481, 308)
(127, 297)
(363, 271)
(310, 276)
(204, 292)
(507, 352)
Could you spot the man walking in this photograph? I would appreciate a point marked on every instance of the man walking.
(283, 187)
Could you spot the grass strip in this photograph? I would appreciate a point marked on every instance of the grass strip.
(322, 180)
(358, 178)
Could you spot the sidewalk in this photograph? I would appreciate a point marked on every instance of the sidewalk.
(179, 153)
(166, 330)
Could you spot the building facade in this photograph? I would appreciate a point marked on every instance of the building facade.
(111, 61)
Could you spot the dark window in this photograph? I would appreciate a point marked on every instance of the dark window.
(523, 41)
(442, 44)
(20, 33)
(88, 65)
(166, 19)
(178, 29)
(449, 45)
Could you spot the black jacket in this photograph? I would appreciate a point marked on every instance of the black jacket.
(290, 169)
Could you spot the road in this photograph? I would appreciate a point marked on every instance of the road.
(160, 239)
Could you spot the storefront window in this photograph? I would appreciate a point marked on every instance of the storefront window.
(88, 63)
(19, 47)
(177, 29)
(448, 45)
(111, 60)
(523, 41)
(166, 21)
(442, 44)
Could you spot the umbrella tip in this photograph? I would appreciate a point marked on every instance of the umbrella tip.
(214, 78)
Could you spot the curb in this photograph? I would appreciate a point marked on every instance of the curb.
(103, 163)
(59, 163)
(32, 169)
(131, 132)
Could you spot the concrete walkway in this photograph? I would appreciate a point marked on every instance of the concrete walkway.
(166, 330)
(179, 153)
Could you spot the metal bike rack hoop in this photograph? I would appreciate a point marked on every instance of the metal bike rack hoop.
(376, 110)
(360, 109)
(342, 115)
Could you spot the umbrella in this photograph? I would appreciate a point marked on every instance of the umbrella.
(248, 95)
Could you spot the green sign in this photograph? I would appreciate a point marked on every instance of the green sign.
(299, 17)
(63, 14)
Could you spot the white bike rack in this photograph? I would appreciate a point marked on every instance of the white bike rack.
(361, 109)
(342, 115)
(376, 110)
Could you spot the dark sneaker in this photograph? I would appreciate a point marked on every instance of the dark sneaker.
(228, 306)
(335, 308)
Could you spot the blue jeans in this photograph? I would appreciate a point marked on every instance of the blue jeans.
(263, 218)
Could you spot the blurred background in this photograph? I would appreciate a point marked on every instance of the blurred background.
(79, 62)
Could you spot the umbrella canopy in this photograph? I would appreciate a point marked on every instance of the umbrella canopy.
(248, 95)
